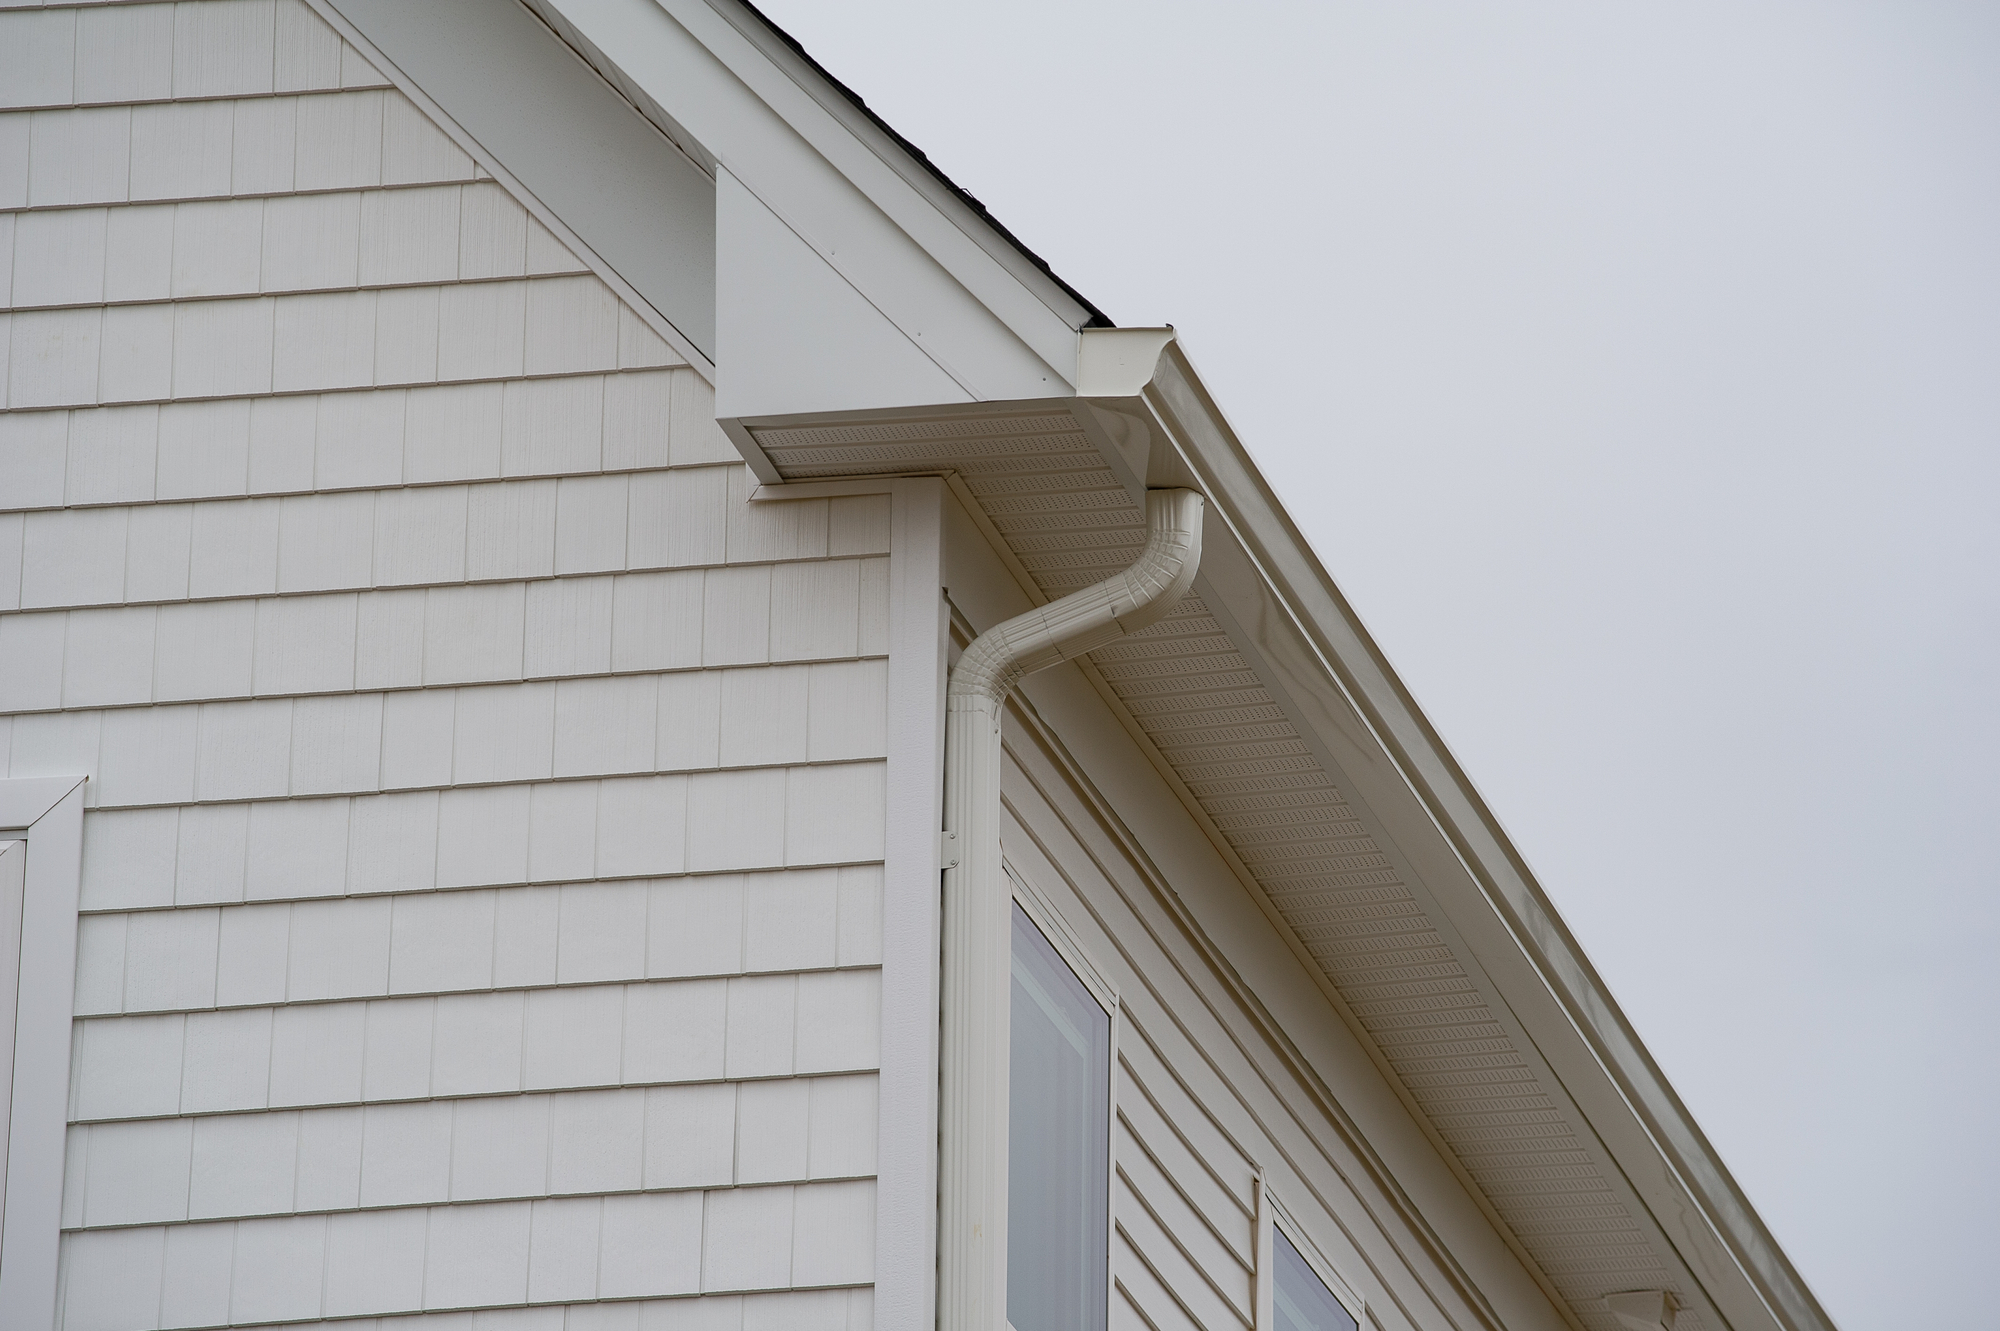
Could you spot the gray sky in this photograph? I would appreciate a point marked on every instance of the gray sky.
(1636, 371)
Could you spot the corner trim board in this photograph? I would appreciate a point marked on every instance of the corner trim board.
(906, 1123)
(46, 813)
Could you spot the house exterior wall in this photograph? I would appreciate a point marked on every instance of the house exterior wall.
(481, 879)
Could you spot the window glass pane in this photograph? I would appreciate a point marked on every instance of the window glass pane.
(1303, 1302)
(1058, 1143)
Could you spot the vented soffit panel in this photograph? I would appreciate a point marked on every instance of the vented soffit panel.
(1267, 707)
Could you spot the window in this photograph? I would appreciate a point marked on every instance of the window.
(1058, 1143)
(1300, 1300)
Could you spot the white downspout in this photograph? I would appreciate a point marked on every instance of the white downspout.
(973, 1044)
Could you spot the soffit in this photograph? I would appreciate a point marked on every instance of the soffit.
(1232, 747)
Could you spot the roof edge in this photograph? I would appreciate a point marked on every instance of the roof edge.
(765, 26)
(1359, 669)
(759, 28)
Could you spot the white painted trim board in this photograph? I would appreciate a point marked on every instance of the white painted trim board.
(47, 813)
(906, 1150)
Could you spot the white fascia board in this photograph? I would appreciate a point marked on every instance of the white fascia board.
(894, 243)
(1313, 653)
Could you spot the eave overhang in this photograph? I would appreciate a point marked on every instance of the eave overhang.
(1376, 858)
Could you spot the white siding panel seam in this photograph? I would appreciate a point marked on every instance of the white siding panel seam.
(714, 783)
(318, 342)
(467, 1151)
(490, 1256)
(490, 636)
(662, 976)
(596, 1191)
(322, 289)
(248, 146)
(192, 99)
(227, 442)
(731, 1084)
(807, 866)
(309, 1056)
(396, 488)
(800, 567)
(307, 850)
(99, 707)
(384, 238)
(45, 490)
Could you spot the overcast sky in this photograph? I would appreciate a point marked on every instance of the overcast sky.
(1635, 369)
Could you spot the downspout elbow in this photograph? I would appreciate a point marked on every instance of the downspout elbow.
(1102, 613)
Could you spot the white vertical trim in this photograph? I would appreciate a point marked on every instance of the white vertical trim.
(906, 1150)
(1264, 1308)
(50, 811)
(13, 880)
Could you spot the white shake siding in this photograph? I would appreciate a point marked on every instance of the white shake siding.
(482, 867)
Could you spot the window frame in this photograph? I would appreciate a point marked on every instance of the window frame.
(1043, 914)
(1274, 1218)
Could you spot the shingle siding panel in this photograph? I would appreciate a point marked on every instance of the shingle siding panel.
(192, 149)
(58, 257)
(223, 48)
(15, 132)
(157, 546)
(112, 455)
(34, 449)
(414, 150)
(39, 66)
(306, 51)
(335, 886)
(125, 53)
(217, 247)
(309, 241)
(53, 357)
(31, 661)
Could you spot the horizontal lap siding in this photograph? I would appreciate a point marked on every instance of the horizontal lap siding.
(1206, 1096)
(482, 872)
(368, 742)
(213, 447)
